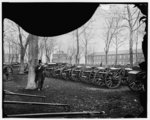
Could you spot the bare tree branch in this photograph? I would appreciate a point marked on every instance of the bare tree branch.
(134, 12)
(138, 27)
(137, 18)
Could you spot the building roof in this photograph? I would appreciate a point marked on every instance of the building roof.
(60, 55)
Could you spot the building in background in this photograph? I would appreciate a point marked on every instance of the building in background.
(123, 57)
(60, 57)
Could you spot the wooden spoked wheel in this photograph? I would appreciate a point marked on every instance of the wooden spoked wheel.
(112, 80)
(85, 77)
(91, 78)
(99, 79)
(135, 83)
(136, 86)
(73, 75)
(64, 75)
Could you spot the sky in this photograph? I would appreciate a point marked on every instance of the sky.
(96, 42)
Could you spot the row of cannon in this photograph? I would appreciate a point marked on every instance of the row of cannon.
(99, 76)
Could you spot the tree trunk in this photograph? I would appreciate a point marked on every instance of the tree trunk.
(22, 51)
(131, 48)
(86, 54)
(9, 53)
(136, 48)
(116, 56)
(41, 55)
(93, 60)
(50, 58)
(3, 52)
(131, 57)
(106, 55)
(12, 58)
(85, 59)
(47, 59)
(22, 61)
(12, 54)
(136, 53)
(77, 55)
(16, 54)
(70, 60)
(33, 60)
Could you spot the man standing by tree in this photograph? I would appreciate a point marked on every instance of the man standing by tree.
(39, 75)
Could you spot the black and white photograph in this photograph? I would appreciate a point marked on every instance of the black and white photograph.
(74, 59)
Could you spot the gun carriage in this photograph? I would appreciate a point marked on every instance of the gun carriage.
(124, 75)
(76, 73)
(66, 73)
(57, 71)
(113, 77)
(136, 80)
(49, 69)
(7, 68)
(86, 73)
(98, 75)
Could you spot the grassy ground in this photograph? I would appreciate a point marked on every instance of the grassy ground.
(80, 97)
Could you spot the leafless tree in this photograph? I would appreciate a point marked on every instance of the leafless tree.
(19, 38)
(76, 34)
(11, 49)
(77, 60)
(14, 53)
(132, 16)
(23, 48)
(117, 43)
(112, 26)
(33, 60)
(49, 47)
(91, 55)
(71, 52)
(7, 44)
(138, 32)
(87, 37)
(41, 48)
(118, 39)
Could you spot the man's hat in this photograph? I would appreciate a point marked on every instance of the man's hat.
(40, 61)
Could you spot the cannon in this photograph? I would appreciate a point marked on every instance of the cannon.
(109, 77)
(76, 73)
(136, 80)
(98, 76)
(66, 73)
(113, 77)
(49, 69)
(57, 71)
(8, 68)
(86, 74)
(124, 75)
(7, 71)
